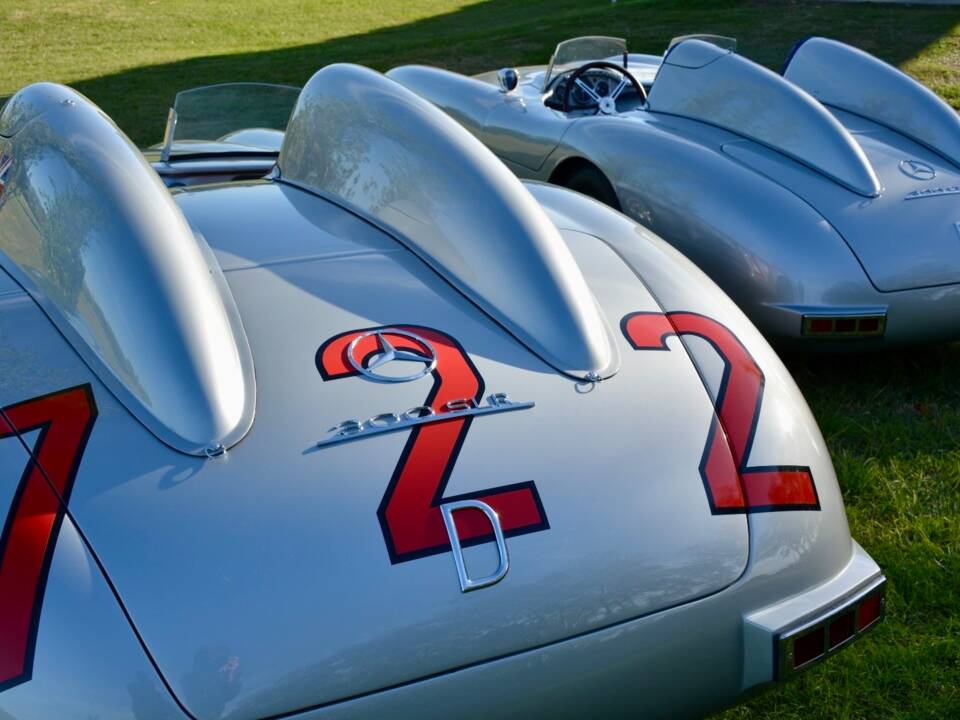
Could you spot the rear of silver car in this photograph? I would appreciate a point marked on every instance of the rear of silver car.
(240, 566)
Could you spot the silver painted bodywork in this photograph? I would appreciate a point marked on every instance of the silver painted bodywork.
(788, 191)
(257, 583)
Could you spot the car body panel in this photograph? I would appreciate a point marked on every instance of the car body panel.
(83, 656)
(347, 621)
(479, 98)
(463, 217)
(760, 275)
(7, 285)
(644, 661)
(537, 138)
(87, 662)
(822, 538)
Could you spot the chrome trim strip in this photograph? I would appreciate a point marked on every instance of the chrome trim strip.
(213, 166)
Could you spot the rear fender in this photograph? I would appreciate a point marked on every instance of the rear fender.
(68, 648)
(798, 547)
(87, 660)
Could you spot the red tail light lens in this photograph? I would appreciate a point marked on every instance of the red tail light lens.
(841, 326)
(841, 630)
(808, 648)
(869, 611)
(820, 326)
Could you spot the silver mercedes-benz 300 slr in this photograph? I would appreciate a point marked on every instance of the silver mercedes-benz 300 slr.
(340, 419)
(825, 200)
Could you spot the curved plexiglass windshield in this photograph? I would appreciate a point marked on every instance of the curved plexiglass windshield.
(721, 41)
(249, 114)
(572, 53)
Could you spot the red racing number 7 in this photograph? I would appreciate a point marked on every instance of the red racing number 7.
(409, 512)
(65, 419)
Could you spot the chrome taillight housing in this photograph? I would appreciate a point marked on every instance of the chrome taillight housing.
(844, 326)
(801, 647)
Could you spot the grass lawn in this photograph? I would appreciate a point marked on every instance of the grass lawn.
(892, 421)
(132, 56)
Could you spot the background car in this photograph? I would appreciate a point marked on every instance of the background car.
(822, 200)
(388, 433)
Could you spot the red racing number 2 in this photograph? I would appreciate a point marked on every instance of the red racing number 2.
(732, 486)
(409, 512)
(64, 419)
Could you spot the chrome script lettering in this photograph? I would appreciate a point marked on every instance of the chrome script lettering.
(420, 415)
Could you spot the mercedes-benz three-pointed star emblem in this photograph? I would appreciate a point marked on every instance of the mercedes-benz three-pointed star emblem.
(386, 353)
(917, 170)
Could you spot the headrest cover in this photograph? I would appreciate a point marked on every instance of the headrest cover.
(373, 145)
(701, 81)
(88, 229)
(852, 80)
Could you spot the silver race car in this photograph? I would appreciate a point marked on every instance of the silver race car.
(824, 201)
(386, 433)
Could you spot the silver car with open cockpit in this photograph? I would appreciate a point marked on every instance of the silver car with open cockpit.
(824, 200)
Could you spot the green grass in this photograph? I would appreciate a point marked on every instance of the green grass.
(892, 421)
(132, 56)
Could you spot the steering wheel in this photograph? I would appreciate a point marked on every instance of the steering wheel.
(606, 105)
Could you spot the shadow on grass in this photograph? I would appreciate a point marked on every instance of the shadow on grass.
(491, 34)
(898, 405)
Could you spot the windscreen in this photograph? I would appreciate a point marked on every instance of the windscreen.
(244, 113)
(571, 53)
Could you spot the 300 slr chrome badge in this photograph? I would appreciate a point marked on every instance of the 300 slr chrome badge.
(420, 415)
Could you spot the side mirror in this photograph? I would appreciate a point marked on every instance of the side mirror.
(508, 79)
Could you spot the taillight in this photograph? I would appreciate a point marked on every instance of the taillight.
(808, 647)
(841, 630)
(869, 611)
(843, 326)
(801, 647)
